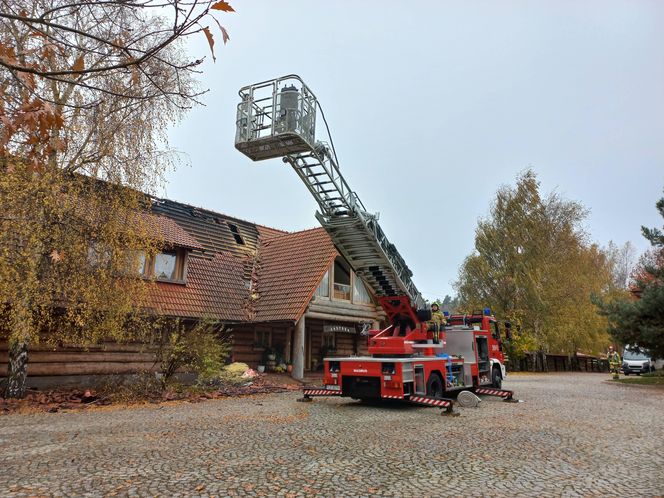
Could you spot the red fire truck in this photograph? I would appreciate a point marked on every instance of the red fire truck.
(407, 360)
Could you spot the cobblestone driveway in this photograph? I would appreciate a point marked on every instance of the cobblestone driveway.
(574, 435)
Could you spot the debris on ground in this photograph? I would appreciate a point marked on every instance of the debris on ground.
(56, 400)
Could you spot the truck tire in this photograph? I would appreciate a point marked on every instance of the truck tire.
(496, 378)
(435, 386)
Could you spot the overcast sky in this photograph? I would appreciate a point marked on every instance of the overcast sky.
(433, 105)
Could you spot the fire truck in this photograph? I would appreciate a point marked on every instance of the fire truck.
(412, 358)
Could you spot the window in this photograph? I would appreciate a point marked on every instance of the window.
(235, 231)
(341, 280)
(324, 287)
(360, 294)
(165, 266)
(329, 342)
(136, 263)
(496, 331)
(262, 338)
(99, 256)
(140, 260)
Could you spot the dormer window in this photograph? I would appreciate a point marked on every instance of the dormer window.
(166, 266)
(235, 231)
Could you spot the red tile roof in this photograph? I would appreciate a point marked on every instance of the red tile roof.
(267, 232)
(169, 231)
(284, 269)
(214, 289)
(290, 267)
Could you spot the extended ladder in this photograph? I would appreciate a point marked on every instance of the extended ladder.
(276, 118)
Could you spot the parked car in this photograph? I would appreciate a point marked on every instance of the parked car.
(636, 362)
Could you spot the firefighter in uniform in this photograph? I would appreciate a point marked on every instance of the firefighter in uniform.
(614, 362)
(437, 322)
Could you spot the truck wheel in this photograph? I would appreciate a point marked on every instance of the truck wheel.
(496, 378)
(435, 386)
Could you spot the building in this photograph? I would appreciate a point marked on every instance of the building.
(291, 292)
(279, 291)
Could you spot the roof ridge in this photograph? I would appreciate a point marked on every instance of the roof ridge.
(216, 213)
(299, 232)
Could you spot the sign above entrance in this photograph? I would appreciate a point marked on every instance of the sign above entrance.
(344, 329)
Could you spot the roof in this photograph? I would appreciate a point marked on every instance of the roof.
(243, 271)
(290, 267)
(215, 289)
(170, 232)
(215, 232)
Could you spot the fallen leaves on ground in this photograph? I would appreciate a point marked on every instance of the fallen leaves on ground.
(56, 400)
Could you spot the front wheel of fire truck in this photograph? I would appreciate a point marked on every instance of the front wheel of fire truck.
(435, 386)
(496, 378)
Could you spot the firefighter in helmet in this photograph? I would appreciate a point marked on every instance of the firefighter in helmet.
(437, 322)
(614, 362)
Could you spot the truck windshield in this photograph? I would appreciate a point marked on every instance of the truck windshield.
(633, 355)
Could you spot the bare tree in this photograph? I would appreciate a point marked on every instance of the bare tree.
(92, 86)
(622, 260)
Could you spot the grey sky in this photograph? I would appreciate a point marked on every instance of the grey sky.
(433, 105)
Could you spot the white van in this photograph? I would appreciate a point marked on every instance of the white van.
(636, 362)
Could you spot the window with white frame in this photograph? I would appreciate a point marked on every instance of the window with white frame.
(324, 287)
(342, 289)
(360, 294)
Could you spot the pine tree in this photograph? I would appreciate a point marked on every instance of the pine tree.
(639, 320)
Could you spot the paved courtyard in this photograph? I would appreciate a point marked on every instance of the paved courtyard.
(575, 434)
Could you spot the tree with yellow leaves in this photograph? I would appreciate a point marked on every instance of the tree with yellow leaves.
(534, 266)
(87, 91)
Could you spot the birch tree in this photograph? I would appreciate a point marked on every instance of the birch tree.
(87, 92)
(534, 266)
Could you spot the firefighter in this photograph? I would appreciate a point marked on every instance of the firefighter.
(614, 362)
(437, 322)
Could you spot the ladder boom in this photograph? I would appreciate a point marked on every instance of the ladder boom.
(276, 118)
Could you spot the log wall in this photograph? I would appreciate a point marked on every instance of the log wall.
(103, 359)
(245, 348)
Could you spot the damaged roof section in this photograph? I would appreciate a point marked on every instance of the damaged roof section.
(216, 233)
(238, 271)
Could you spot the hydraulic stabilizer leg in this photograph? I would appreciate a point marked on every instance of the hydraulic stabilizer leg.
(508, 396)
(308, 393)
(447, 405)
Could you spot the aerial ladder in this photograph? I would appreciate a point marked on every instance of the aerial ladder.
(277, 118)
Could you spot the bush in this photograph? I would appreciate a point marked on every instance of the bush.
(201, 349)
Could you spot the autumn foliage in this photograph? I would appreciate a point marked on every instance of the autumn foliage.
(534, 266)
(87, 92)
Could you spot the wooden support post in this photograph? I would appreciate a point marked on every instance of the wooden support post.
(289, 342)
(298, 350)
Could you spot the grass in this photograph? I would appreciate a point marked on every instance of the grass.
(649, 379)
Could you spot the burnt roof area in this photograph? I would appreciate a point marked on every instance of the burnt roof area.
(238, 271)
